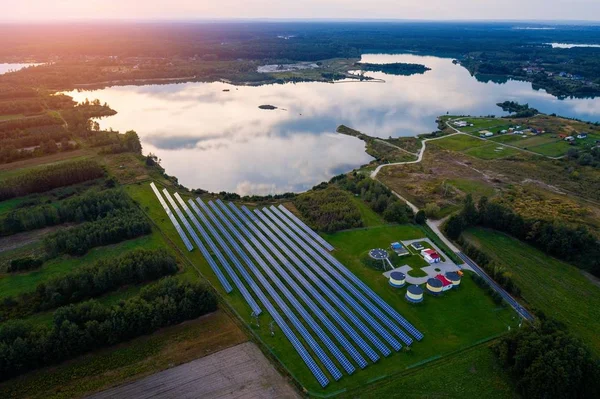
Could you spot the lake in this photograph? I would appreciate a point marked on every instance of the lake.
(568, 45)
(4, 68)
(220, 140)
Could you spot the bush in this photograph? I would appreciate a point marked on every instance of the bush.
(432, 210)
(24, 264)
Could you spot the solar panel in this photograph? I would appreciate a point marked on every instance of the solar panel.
(256, 240)
(174, 221)
(334, 289)
(342, 279)
(292, 298)
(283, 306)
(360, 284)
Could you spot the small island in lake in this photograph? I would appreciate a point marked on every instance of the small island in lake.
(266, 106)
(396, 68)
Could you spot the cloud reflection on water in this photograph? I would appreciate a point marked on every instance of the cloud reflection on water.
(220, 140)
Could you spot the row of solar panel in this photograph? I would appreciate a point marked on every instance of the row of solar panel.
(330, 289)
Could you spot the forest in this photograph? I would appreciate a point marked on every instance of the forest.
(91, 205)
(548, 362)
(135, 267)
(84, 327)
(115, 227)
(329, 210)
(207, 52)
(396, 68)
(50, 177)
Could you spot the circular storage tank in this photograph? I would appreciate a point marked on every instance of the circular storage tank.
(454, 278)
(414, 294)
(397, 279)
(434, 286)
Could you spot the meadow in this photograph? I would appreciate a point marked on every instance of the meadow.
(556, 288)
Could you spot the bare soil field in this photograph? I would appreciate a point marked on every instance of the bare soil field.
(241, 371)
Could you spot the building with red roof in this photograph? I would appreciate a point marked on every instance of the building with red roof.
(446, 284)
(431, 256)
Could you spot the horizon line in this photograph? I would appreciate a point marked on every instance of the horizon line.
(305, 20)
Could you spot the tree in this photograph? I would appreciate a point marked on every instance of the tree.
(432, 210)
(469, 212)
(420, 217)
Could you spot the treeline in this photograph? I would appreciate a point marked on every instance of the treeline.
(495, 271)
(89, 206)
(548, 362)
(329, 210)
(11, 153)
(518, 110)
(117, 226)
(496, 297)
(77, 329)
(575, 245)
(377, 196)
(50, 177)
(86, 282)
(128, 142)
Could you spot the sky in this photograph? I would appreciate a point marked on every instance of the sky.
(57, 10)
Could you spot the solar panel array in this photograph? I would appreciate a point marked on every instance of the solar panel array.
(331, 318)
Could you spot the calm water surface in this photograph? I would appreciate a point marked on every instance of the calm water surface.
(4, 68)
(219, 140)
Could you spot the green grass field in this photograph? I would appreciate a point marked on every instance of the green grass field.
(491, 151)
(533, 141)
(474, 373)
(555, 149)
(558, 289)
(441, 319)
(459, 142)
(369, 217)
(507, 139)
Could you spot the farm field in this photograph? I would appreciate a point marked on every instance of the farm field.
(129, 361)
(547, 284)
